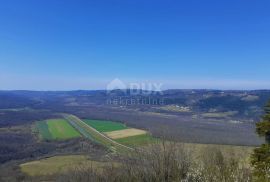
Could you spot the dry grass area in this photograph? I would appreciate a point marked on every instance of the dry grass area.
(170, 161)
(58, 164)
(242, 153)
(198, 153)
(125, 133)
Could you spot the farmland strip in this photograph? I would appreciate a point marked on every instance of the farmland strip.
(96, 135)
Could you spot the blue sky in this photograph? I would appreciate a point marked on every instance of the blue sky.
(69, 45)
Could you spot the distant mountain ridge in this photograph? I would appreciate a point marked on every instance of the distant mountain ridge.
(245, 103)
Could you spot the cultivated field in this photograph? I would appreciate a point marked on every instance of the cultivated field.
(56, 129)
(116, 136)
(105, 126)
(125, 133)
(139, 140)
(121, 133)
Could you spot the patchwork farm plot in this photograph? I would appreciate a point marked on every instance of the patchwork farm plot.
(93, 134)
(120, 133)
(114, 135)
(56, 129)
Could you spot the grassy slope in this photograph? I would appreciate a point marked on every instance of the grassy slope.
(57, 164)
(105, 126)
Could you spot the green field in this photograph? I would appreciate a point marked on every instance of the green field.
(138, 140)
(105, 126)
(56, 129)
(43, 130)
(61, 129)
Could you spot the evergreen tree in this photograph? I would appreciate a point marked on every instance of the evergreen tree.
(261, 157)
